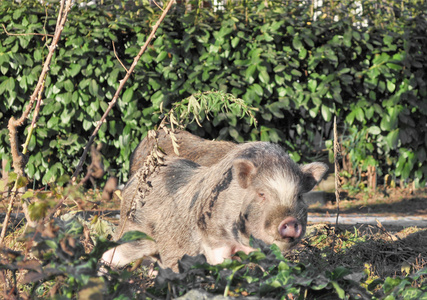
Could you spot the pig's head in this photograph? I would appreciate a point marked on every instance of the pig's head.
(273, 209)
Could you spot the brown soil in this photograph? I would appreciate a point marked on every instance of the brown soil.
(396, 202)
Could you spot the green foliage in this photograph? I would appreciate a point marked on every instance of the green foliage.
(264, 273)
(63, 259)
(400, 288)
(298, 72)
(64, 264)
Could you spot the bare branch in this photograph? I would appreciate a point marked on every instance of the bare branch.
(116, 95)
(18, 157)
(23, 34)
(158, 5)
(115, 53)
(337, 171)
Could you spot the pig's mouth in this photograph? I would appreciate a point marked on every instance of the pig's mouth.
(286, 243)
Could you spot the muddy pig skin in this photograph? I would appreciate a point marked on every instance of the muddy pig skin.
(204, 152)
(255, 189)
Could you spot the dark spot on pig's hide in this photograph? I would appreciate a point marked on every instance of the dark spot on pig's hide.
(239, 227)
(180, 243)
(152, 226)
(202, 222)
(242, 225)
(225, 182)
(221, 186)
(224, 232)
(194, 199)
(267, 223)
(178, 174)
(249, 153)
(235, 231)
(248, 211)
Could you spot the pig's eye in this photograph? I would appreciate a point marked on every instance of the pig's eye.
(261, 195)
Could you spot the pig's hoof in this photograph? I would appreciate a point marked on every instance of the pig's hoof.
(103, 270)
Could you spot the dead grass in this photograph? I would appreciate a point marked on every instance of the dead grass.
(370, 250)
(389, 202)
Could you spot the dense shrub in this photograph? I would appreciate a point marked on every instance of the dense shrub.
(298, 70)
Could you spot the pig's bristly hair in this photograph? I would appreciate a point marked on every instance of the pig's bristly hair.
(278, 171)
(273, 166)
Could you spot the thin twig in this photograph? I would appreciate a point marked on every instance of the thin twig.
(337, 168)
(115, 53)
(337, 184)
(116, 95)
(23, 34)
(17, 157)
(157, 5)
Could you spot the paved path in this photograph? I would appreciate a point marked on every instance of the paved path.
(348, 219)
(345, 219)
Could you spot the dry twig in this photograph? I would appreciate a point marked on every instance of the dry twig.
(116, 95)
(18, 158)
(115, 53)
(337, 168)
(23, 34)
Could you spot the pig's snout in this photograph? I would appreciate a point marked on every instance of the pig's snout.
(290, 228)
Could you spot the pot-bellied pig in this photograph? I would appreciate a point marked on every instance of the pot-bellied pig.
(254, 190)
(192, 147)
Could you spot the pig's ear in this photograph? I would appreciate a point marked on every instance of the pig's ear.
(245, 172)
(313, 173)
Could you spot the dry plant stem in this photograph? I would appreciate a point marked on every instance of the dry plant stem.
(116, 95)
(337, 179)
(23, 34)
(17, 157)
(337, 171)
(115, 53)
(150, 165)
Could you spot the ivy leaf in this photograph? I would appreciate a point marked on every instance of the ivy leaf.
(250, 73)
(235, 42)
(133, 236)
(375, 130)
(10, 84)
(392, 138)
(22, 182)
(74, 69)
(264, 77)
(162, 55)
(93, 88)
(338, 289)
(390, 86)
(326, 113)
(127, 95)
(296, 43)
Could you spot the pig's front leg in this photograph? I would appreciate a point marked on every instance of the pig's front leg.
(216, 255)
(238, 247)
(124, 254)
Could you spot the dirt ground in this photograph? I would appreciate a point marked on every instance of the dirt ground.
(395, 202)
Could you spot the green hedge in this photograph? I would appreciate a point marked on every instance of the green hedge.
(367, 69)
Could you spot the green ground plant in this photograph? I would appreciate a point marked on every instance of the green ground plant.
(62, 263)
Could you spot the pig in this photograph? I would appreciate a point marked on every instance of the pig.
(201, 151)
(253, 190)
